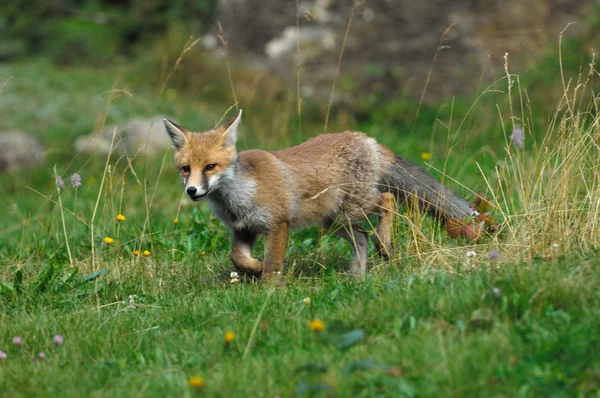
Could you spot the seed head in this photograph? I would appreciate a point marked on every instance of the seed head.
(517, 137)
(60, 184)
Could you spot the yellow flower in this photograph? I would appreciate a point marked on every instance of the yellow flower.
(229, 337)
(317, 325)
(120, 218)
(306, 301)
(196, 381)
(136, 253)
(425, 156)
(108, 240)
(203, 253)
(147, 253)
(176, 220)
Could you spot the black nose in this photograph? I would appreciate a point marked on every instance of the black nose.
(191, 191)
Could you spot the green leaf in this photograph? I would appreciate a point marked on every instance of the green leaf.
(44, 277)
(313, 368)
(92, 289)
(65, 276)
(363, 364)
(95, 275)
(347, 340)
(312, 388)
(334, 294)
(18, 282)
(7, 288)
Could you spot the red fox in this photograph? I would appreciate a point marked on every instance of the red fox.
(332, 179)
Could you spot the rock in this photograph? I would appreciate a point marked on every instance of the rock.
(144, 136)
(311, 39)
(391, 43)
(19, 150)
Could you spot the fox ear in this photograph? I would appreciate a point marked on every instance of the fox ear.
(176, 133)
(231, 128)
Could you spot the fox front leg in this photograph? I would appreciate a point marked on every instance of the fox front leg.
(275, 243)
(241, 253)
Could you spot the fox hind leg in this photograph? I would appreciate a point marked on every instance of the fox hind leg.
(359, 243)
(383, 237)
(275, 244)
(241, 253)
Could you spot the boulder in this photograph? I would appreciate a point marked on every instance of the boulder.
(391, 43)
(144, 136)
(19, 150)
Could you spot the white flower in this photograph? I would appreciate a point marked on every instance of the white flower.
(234, 280)
(555, 245)
(306, 301)
(471, 253)
(234, 275)
(517, 136)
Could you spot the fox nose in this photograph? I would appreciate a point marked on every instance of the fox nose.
(191, 191)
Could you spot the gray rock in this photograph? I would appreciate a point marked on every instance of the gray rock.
(19, 150)
(391, 43)
(137, 136)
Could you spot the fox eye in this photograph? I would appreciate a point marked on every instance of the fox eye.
(185, 169)
(210, 167)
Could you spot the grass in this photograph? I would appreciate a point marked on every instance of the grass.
(431, 322)
(526, 330)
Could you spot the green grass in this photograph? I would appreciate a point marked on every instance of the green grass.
(424, 335)
(429, 323)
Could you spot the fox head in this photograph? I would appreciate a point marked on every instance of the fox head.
(204, 159)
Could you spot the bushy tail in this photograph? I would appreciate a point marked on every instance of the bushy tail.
(407, 181)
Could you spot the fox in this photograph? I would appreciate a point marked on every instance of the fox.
(336, 180)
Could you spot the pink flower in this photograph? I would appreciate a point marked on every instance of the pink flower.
(76, 180)
(3, 355)
(42, 355)
(17, 340)
(58, 340)
(60, 184)
(493, 254)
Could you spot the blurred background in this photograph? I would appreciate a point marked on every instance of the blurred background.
(72, 70)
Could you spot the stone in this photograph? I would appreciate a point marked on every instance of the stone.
(391, 43)
(19, 150)
(146, 136)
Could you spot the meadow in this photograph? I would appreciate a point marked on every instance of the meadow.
(118, 286)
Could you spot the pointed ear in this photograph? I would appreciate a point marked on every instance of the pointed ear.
(231, 129)
(176, 133)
